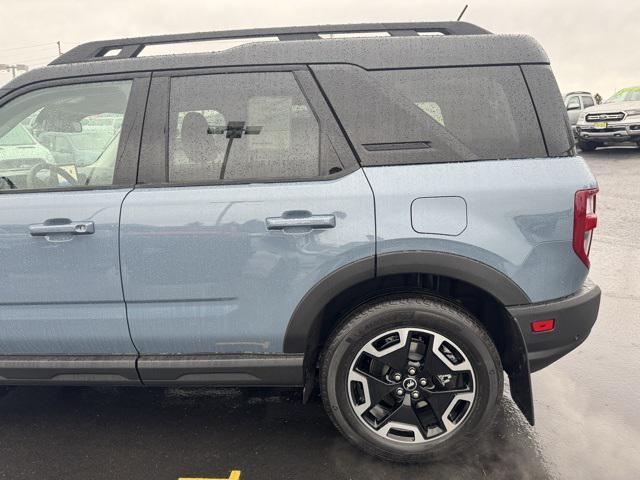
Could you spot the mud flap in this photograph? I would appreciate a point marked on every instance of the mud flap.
(516, 364)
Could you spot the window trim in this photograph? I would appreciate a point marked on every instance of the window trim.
(154, 154)
(128, 151)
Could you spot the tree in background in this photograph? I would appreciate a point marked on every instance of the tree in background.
(597, 98)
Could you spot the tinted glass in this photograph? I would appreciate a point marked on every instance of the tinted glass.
(435, 115)
(241, 126)
(47, 139)
(487, 109)
(551, 110)
(587, 102)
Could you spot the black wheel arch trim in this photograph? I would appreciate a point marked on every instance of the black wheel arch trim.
(483, 276)
(466, 269)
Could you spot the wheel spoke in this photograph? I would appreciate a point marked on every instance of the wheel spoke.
(443, 401)
(454, 391)
(397, 355)
(433, 362)
(437, 363)
(439, 404)
(404, 414)
(377, 389)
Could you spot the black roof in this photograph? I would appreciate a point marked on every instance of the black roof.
(460, 44)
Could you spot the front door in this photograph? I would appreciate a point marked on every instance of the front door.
(260, 198)
(60, 287)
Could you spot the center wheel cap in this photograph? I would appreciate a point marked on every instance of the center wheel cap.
(409, 384)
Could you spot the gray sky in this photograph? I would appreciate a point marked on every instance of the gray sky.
(593, 44)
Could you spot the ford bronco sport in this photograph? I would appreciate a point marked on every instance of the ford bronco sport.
(399, 219)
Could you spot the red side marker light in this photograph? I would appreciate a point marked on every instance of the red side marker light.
(543, 325)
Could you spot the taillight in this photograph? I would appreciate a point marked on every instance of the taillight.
(585, 221)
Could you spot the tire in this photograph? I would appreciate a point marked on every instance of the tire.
(380, 327)
(5, 390)
(586, 146)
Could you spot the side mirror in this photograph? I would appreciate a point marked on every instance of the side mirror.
(573, 107)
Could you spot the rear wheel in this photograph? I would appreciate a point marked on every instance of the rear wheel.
(5, 390)
(586, 146)
(411, 378)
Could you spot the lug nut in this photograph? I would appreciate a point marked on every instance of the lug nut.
(397, 377)
(399, 392)
(415, 395)
(412, 371)
(423, 382)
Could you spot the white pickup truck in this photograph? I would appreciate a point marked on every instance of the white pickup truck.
(616, 120)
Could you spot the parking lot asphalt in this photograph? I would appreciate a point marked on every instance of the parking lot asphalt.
(586, 404)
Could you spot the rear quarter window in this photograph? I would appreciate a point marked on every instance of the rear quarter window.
(435, 114)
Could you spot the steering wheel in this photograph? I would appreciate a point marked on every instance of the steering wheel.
(6, 181)
(34, 182)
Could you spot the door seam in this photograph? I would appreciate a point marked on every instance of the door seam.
(124, 299)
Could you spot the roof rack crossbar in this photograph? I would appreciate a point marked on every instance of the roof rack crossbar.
(131, 47)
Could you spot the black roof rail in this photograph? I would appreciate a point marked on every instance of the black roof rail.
(131, 47)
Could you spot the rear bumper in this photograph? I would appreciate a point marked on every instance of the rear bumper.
(574, 317)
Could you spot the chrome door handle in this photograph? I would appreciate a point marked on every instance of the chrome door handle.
(310, 221)
(51, 228)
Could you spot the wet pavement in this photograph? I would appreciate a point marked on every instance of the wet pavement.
(587, 424)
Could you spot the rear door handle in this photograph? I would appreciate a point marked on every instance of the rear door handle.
(51, 227)
(305, 221)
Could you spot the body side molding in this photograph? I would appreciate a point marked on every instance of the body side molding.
(215, 369)
(68, 370)
(244, 370)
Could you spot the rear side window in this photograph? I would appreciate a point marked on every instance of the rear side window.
(241, 126)
(437, 114)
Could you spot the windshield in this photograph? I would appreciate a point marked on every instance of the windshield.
(626, 95)
(17, 136)
(89, 141)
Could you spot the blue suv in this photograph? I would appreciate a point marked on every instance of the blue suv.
(398, 216)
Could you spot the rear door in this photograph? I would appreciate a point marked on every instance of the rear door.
(249, 196)
(60, 288)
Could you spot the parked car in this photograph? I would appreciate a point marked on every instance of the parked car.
(576, 102)
(397, 219)
(110, 124)
(19, 152)
(614, 121)
(80, 149)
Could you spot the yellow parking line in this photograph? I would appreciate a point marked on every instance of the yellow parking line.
(234, 475)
